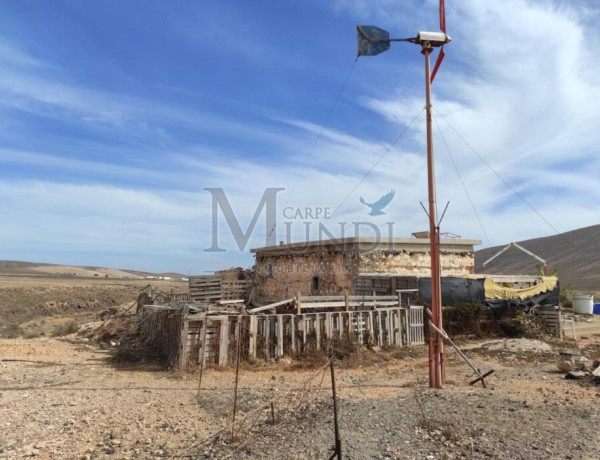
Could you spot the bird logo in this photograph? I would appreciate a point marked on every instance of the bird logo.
(377, 207)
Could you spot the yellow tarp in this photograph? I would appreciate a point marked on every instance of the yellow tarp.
(497, 291)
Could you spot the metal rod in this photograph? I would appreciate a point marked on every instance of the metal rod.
(458, 350)
(237, 375)
(443, 213)
(521, 248)
(338, 443)
(436, 350)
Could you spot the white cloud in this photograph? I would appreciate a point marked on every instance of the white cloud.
(518, 83)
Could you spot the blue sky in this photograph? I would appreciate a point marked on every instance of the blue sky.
(114, 117)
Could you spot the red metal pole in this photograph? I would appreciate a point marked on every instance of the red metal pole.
(436, 347)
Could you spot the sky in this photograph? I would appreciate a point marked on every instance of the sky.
(116, 116)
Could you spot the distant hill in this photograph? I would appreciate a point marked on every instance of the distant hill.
(13, 267)
(576, 255)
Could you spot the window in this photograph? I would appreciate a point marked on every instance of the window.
(269, 269)
(315, 283)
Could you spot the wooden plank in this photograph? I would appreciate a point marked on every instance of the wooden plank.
(354, 298)
(339, 304)
(271, 305)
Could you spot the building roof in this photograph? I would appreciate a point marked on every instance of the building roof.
(367, 244)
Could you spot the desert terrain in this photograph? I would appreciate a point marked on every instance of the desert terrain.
(64, 396)
(33, 305)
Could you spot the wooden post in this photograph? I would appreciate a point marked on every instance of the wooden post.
(318, 330)
(223, 340)
(253, 335)
(203, 354)
(237, 376)
(328, 326)
(304, 332)
(560, 328)
(293, 332)
(267, 336)
(346, 303)
(279, 336)
(184, 343)
(388, 317)
(337, 450)
(298, 304)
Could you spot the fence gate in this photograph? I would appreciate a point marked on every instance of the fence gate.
(416, 334)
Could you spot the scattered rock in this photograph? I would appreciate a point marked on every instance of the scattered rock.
(566, 365)
(575, 375)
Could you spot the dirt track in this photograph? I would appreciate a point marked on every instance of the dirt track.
(66, 400)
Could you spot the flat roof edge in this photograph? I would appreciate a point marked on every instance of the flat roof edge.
(384, 242)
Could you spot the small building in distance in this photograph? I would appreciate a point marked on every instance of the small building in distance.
(354, 266)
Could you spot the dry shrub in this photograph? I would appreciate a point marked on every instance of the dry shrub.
(131, 346)
(343, 348)
(32, 334)
(65, 329)
(463, 318)
(13, 331)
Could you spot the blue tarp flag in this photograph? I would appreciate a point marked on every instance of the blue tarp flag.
(372, 40)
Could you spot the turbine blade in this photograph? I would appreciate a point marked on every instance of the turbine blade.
(442, 17)
(438, 62)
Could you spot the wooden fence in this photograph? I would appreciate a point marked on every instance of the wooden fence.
(552, 320)
(213, 288)
(334, 303)
(269, 336)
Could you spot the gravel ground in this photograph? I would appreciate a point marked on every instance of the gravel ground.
(64, 399)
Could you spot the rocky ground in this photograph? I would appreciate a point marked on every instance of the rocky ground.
(65, 398)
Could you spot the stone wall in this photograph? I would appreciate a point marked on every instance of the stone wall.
(415, 263)
(290, 274)
(283, 276)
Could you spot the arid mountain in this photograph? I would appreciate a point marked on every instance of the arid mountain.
(575, 254)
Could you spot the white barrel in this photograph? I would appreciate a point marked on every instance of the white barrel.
(583, 304)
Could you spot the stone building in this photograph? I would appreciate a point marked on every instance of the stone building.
(354, 266)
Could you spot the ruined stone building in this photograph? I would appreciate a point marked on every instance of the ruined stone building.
(354, 266)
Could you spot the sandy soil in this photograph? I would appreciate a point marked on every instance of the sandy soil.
(65, 399)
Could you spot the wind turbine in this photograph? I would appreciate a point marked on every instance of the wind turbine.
(372, 41)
